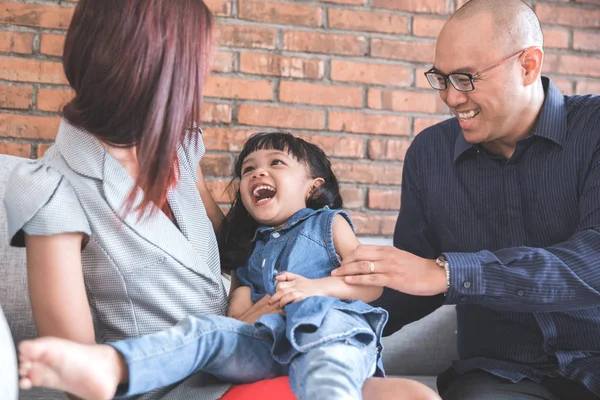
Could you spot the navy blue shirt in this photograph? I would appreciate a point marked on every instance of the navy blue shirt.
(522, 236)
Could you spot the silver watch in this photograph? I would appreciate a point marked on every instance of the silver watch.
(443, 263)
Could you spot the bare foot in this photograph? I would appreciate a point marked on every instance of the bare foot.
(397, 389)
(91, 372)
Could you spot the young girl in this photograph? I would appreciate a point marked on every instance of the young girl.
(287, 231)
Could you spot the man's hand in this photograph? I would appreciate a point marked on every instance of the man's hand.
(292, 288)
(394, 268)
(260, 308)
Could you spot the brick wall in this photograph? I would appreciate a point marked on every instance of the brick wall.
(346, 74)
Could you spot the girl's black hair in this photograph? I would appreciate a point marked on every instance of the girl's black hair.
(238, 228)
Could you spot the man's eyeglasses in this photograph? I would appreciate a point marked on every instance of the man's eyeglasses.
(462, 81)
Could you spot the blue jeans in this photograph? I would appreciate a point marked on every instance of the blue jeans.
(238, 352)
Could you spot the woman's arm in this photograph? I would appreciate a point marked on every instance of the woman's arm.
(212, 209)
(56, 289)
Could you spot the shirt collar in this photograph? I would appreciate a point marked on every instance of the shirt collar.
(294, 220)
(551, 123)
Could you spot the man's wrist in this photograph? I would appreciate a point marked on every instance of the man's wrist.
(443, 263)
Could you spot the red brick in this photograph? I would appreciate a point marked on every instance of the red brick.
(421, 81)
(28, 126)
(237, 88)
(380, 124)
(338, 146)
(15, 149)
(420, 124)
(221, 8)
(222, 61)
(564, 85)
(36, 15)
(403, 50)
(571, 65)
(327, 43)
(396, 100)
(370, 73)
(253, 37)
(351, 2)
(42, 148)
(285, 66)
(568, 16)
(556, 38)
(371, 173)
(280, 13)
(325, 95)
(281, 117)
(16, 42)
(353, 197)
(388, 149)
(29, 70)
(225, 139)
(221, 191)
(418, 6)
(587, 41)
(53, 99)
(586, 87)
(217, 165)
(369, 21)
(384, 199)
(216, 112)
(16, 97)
(427, 27)
(52, 44)
(374, 223)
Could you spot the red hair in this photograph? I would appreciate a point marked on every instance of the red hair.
(138, 68)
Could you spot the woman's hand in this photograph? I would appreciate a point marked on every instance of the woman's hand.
(258, 309)
(292, 288)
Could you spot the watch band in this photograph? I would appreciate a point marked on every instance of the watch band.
(443, 263)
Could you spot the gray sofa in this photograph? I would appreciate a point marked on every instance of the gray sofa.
(420, 350)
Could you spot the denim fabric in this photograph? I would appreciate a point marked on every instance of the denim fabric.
(328, 347)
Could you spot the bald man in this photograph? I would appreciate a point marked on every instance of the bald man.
(500, 215)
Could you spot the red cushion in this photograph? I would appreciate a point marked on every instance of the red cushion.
(270, 389)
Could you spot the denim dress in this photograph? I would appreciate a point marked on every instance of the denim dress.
(304, 246)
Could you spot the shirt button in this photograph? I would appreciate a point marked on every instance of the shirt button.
(276, 235)
(520, 292)
(163, 259)
(467, 284)
(263, 263)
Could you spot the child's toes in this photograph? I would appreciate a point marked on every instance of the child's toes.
(24, 368)
(25, 384)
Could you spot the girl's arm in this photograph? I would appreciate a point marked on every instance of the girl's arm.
(241, 306)
(292, 287)
(239, 298)
(345, 241)
(56, 289)
(212, 209)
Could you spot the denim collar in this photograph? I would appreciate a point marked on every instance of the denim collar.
(551, 122)
(294, 220)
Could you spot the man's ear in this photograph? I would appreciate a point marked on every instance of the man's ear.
(531, 62)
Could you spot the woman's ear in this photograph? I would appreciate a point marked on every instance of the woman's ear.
(315, 184)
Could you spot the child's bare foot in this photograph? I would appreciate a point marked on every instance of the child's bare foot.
(87, 371)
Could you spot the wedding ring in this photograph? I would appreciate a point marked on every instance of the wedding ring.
(372, 266)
